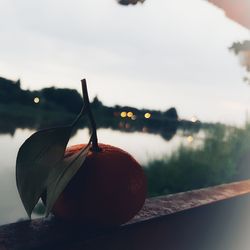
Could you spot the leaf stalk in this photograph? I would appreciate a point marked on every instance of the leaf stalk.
(88, 110)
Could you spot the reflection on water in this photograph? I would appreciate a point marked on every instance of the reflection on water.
(166, 128)
(11, 208)
(142, 146)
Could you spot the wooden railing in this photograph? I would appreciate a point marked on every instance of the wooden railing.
(214, 218)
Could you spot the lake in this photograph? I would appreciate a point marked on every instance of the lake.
(143, 146)
(189, 160)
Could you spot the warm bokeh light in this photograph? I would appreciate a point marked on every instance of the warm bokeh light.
(194, 119)
(147, 115)
(130, 114)
(36, 100)
(123, 114)
(190, 138)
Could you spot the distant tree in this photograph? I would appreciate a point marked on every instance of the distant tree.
(171, 114)
(96, 103)
(242, 49)
(10, 92)
(65, 98)
(127, 2)
(240, 46)
(8, 84)
(18, 83)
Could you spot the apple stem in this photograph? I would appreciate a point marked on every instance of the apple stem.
(94, 139)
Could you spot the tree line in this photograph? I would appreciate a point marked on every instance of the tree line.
(69, 100)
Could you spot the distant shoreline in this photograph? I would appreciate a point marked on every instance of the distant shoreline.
(51, 107)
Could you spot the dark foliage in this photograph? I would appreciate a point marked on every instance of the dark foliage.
(223, 157)
(127, 2)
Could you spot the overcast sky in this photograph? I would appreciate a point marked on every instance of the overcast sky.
(156, 55)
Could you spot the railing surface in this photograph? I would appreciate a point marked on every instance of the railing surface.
(214, 218)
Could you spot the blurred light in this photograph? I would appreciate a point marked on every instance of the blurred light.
(194, 119)
(147, 115)
(123, 114)
(36, 100)
(127, 125)
(133, 117)
(120, 125)
(190, 138)
(130, 114)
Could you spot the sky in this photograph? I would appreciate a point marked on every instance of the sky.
(156, 55)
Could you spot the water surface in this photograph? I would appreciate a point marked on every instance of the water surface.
(142, 146)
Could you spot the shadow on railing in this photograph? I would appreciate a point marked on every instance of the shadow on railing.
(214, 218)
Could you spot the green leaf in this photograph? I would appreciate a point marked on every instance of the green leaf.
(41, 165)
(36, 158)
(62, 174)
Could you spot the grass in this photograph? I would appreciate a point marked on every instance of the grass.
(223, 157)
